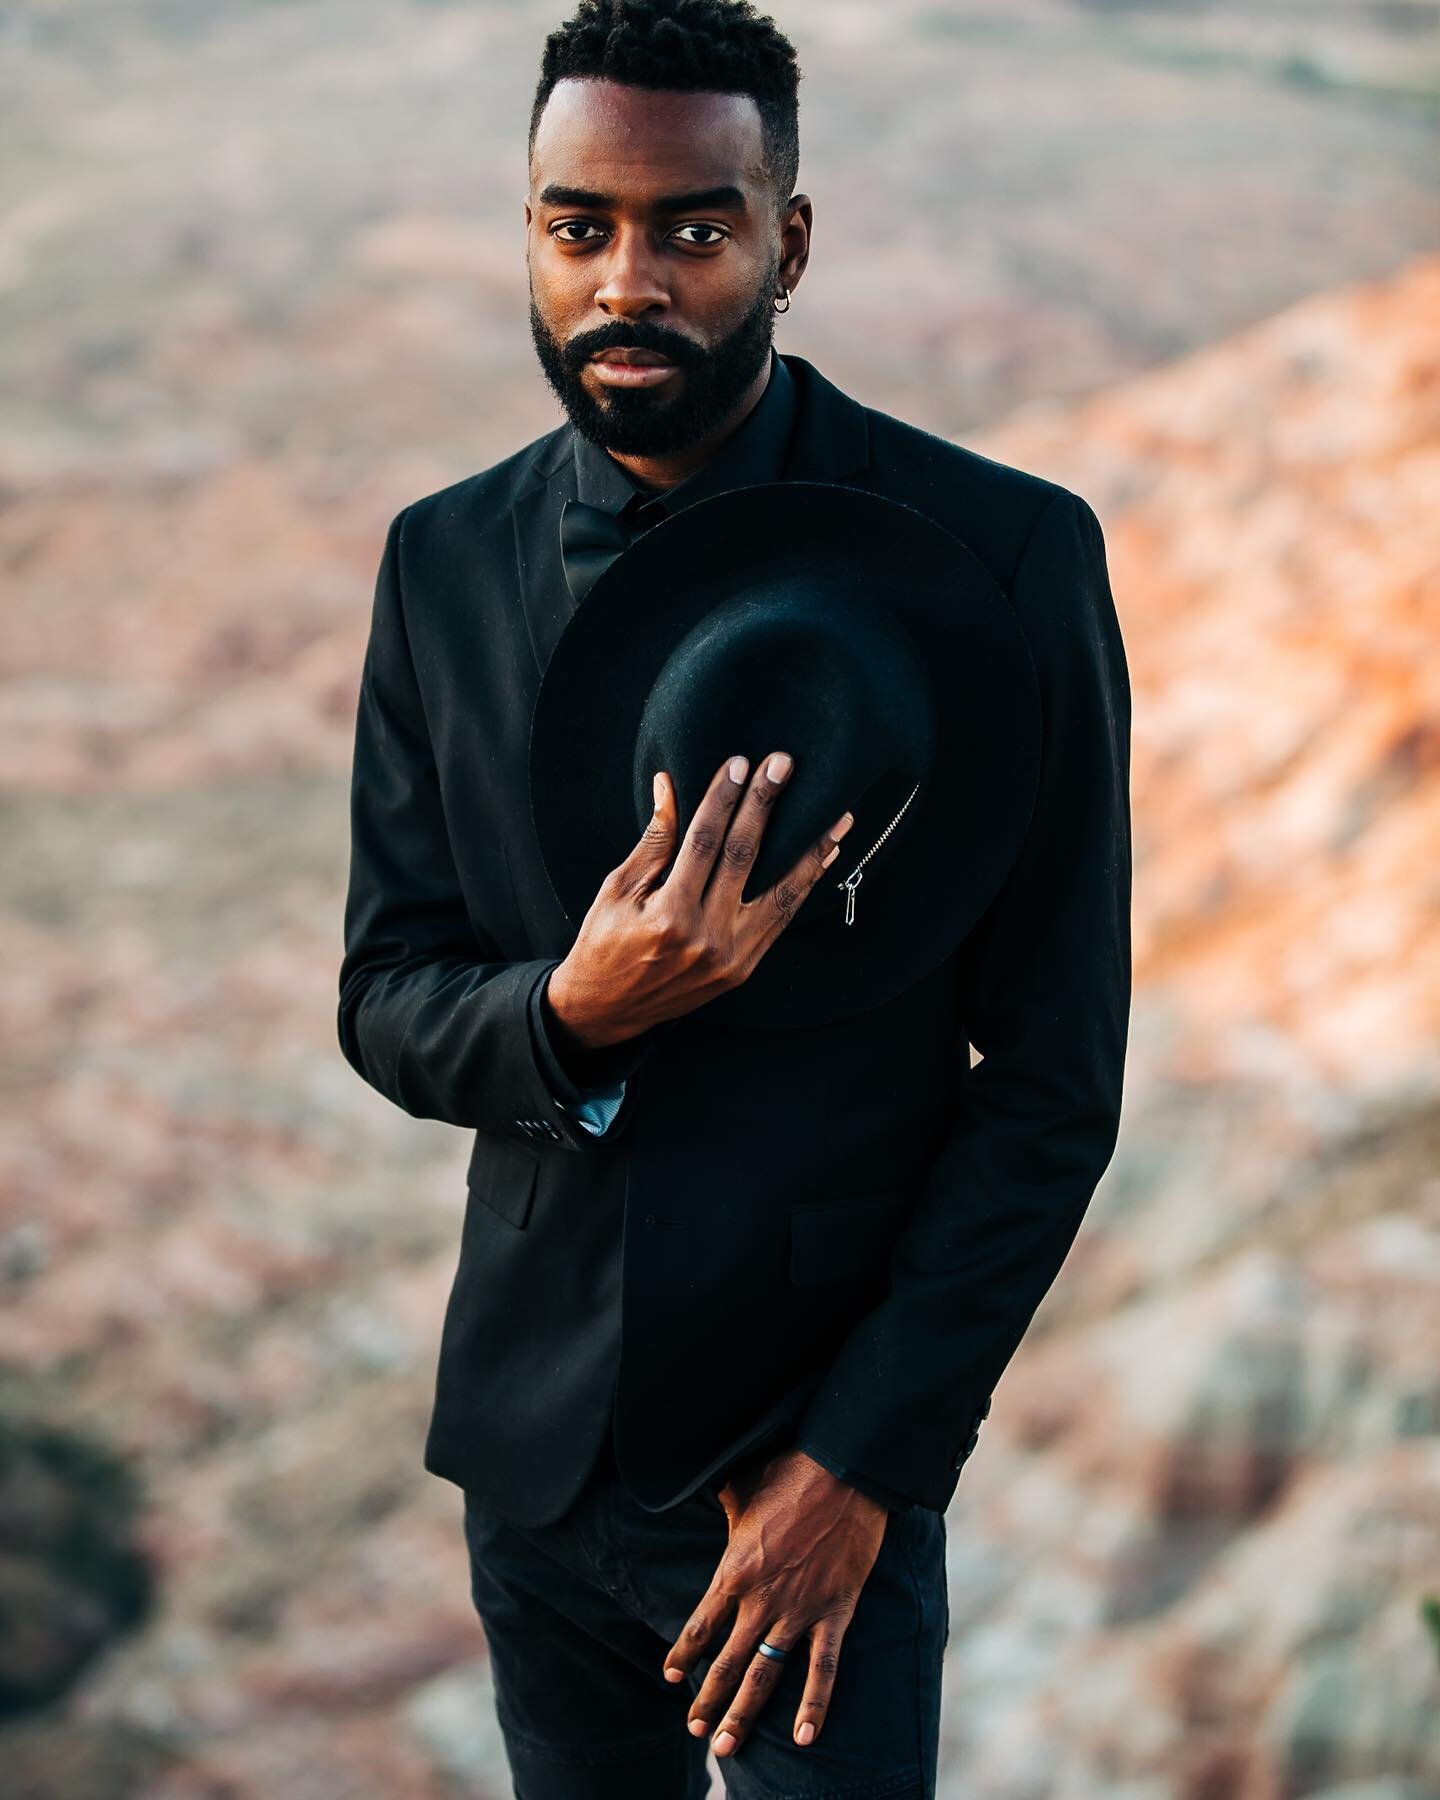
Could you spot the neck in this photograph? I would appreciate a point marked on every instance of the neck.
(661, 472)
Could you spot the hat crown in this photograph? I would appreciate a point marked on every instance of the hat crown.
(802, 665)
(933, 675)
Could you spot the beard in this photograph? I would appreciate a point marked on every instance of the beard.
(652, 421)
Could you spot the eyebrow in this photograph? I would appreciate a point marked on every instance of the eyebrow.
(555, 193)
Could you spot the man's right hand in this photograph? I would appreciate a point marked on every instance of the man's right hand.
(651, 949)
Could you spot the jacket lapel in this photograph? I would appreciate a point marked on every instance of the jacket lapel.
(832, 435)
(831, 442)
(535, 515)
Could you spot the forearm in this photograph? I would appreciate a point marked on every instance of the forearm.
(445, 1038)
(901, 1403)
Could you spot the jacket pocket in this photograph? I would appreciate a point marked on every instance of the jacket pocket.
(847, 1239)
(502, 1176)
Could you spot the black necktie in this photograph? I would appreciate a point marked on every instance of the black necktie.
(591, 538)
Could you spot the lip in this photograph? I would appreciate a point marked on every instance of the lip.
(630, 353)
(614, 373)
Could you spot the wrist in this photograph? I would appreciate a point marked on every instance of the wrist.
(578, 1031)
(852, 1491)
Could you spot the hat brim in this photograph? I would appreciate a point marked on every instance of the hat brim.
(961, 835)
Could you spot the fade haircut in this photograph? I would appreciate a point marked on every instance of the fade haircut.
(698, 46)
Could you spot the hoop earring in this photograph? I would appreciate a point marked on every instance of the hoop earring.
(776, 302)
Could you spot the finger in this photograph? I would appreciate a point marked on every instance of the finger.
(767, 915)
(825, 1639)
(706, 832)
(726, 1672)
(747, 827)
(761, 1680)
(652, 851)
(700, 1629)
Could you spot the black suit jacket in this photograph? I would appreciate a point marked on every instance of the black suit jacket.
(838, 1233)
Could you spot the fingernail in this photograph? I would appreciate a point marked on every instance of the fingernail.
(725, 1741)
(674, 1674)
(842, 825)
(698, 1728)
(739, 768)
(805, 1733)
(659, 787)
(779, 765)
(829, 856)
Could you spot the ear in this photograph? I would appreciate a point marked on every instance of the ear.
(795, 231)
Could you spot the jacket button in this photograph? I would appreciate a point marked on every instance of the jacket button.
(966, 1448)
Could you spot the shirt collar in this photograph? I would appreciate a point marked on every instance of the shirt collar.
(752, 454)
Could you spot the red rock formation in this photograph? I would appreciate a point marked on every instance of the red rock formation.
(1272, 515)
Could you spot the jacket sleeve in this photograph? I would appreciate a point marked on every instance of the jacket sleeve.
(431, 1014)
(1043, 985)
(886, 1496)
(589, 1084)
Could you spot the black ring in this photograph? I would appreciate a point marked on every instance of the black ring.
(772, 1650)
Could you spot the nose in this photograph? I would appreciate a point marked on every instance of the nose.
(632, 285)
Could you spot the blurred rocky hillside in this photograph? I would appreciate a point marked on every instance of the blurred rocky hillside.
(263, 284)
(1195, 1567)
(1191, 1559)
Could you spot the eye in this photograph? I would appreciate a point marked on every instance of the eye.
(569, 225)
(718, 234)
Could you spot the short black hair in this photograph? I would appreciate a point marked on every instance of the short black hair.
(701, 46)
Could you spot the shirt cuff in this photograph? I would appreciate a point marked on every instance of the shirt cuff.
(597, 1114)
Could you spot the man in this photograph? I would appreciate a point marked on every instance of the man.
(705, 1485)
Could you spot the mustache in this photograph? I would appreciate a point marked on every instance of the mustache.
(638, 335)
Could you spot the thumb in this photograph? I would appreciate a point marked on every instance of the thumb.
(657, 841)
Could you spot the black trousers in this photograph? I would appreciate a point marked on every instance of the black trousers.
(579, 1615)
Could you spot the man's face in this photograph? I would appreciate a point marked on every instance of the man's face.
(651, 229)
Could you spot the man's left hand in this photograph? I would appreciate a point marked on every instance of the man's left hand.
(802, 1544)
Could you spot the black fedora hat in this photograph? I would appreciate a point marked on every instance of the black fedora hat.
(854, 632)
